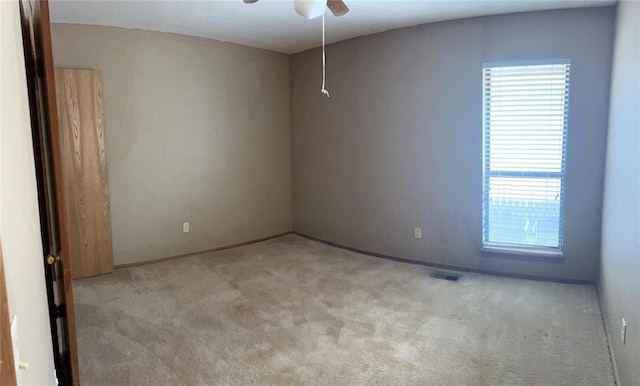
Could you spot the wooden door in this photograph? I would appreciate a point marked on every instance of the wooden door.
(84, 170)
(36, 36)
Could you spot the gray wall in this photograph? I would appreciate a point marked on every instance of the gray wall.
(19, 211)
(620, 265)
(398, 144)
(197, 130)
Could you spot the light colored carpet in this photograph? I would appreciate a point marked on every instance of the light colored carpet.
(293, 311)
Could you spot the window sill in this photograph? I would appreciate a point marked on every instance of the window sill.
(522, 253)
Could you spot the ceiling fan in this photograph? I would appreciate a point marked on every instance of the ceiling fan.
(315, 8)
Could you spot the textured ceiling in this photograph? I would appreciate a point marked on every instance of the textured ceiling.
(274, 25)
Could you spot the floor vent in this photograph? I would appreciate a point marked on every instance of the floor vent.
(445, 275)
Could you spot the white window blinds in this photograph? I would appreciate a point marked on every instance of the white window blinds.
(525, 113)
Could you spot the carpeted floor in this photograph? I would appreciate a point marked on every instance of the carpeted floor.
(293, 311)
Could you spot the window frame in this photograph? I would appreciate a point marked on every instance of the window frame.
(520, 250)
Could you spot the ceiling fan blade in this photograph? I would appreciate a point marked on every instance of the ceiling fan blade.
(338, 7)
(250, 1)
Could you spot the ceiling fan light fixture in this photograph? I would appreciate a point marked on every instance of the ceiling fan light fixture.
(310, 8)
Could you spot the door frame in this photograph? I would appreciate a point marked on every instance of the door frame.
(7, 363)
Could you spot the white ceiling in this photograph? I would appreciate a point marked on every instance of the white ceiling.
(274, 25)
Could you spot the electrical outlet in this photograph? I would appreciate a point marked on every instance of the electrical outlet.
(185, 227)
(417, 233)
(623, 331)
(444, 237)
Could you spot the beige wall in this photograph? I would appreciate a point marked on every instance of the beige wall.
(19, 218)
(620, 265)
(398, 144)
(197, 130)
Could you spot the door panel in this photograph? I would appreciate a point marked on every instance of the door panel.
(44, 122)
(84, 167)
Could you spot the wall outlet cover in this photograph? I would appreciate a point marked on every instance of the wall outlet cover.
(16, 348)
(417, 233)
(185, 227)
(623, 331)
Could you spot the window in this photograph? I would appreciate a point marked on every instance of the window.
(525, 113)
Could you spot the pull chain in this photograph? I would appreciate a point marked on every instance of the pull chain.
(324, 62)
